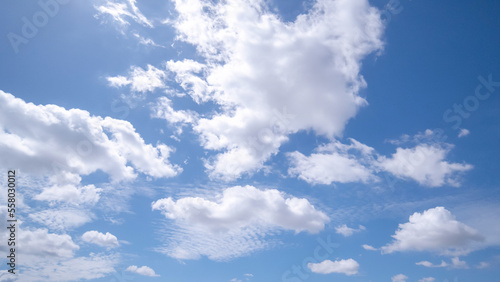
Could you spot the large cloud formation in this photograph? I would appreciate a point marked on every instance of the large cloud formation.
(269, 78)
(50, 140)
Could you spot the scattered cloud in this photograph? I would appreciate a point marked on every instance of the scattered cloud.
(341, 163)
(143, 270)
(107, 240)
(122, 11)
(369, 248)
(146, 41)
(347, 267)
(347, 231)
(399, 278)
(463, 132)
(457, 263)
(482, 265)
(454, 263)
(427, 279)
(140, 80)
(436, 230)
(429, 264)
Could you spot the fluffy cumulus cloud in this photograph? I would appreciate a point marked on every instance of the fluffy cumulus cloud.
(51, 257)
(239, 207)
(346, 231)
(399, 278)
(425, 164)
(143, 270)
(348, 267)
(50, 140)
(258, 70)
(64, 191)
(240, 216)
(436, 230)
(41, 243)
(335, 162)
(107, 240)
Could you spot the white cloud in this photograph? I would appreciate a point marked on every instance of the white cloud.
(118, 81)
(50, 140)
(356, 162)
(140, 80)
(41, 243)
(107, 240)
(143, 270)
(347, 231)
(259, 70)
(163, 109)
(435, 229)
(429, 264)
(187, 75)
(482, 265)
(62, 218)
(463, 132)
(84, 194)
(399, 278)
(369, 248)
(457, 263)
(234, 223)
(248, 274)
(427, 279)
(425, 164)
(236, 208)
(121, 11)
(51, 257)
(146, 41)
(89, 267)
(335, 162)
(348, 267)
(74, 194)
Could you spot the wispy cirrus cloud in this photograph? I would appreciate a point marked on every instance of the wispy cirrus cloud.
(122, 12)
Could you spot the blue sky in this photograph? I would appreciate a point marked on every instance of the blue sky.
(252, 140)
